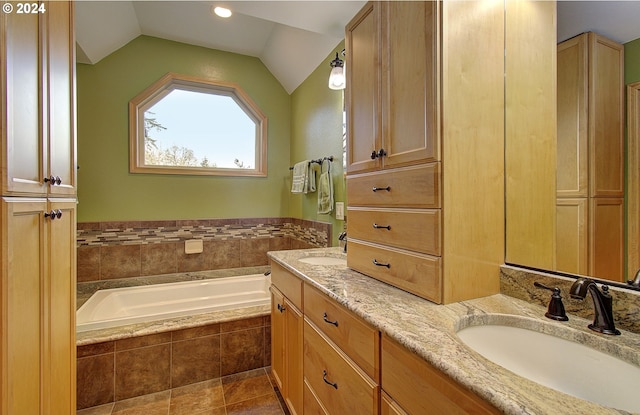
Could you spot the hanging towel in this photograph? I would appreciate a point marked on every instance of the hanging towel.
(300, 172)
(310, 182)
(325, 189)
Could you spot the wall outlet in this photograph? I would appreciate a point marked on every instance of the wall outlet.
(193, 246)
(340, 210)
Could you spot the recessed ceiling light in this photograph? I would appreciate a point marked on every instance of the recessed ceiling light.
(222, 11)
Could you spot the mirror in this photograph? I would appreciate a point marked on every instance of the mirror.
(565, 206)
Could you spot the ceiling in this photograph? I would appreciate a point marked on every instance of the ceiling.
(291, 38)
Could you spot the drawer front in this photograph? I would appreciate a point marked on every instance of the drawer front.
(410, 187)
(340, 387)
(287, 283)
(416, 230)
(353, 336)
(417, 273)
(430, 391)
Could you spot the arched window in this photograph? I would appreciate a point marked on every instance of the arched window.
(186, 125)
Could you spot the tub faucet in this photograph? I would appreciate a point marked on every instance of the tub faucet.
(343, 237)
(602, 304)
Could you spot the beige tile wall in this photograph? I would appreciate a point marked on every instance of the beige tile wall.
(108, 250)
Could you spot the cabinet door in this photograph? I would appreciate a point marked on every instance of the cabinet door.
(294, 357)
(24, 259)
(606, 117)
(572, 235)
(410, 133)
(362, 91)
(22, 85)
(606, 236)
(61, 303)
(62, 149)
(277, 338)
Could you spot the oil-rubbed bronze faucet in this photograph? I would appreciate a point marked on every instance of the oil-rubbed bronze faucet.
(343, 237)
(602, 304)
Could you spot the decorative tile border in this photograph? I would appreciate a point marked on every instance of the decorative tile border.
(151, 232)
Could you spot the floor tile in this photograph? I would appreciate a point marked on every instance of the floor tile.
(246, 385)
(199, 398)
(263, 405)
(97, 410)
(152, 404)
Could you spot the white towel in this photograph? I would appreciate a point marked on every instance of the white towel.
(300, 171)
(325, 190)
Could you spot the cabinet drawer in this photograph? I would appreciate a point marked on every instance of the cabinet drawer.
(408, 187)
(287, 283)
(353, 336)
(416, 230)
(340, 387)
(421, 389)
(417, 273)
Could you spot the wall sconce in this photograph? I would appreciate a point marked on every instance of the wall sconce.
(337, 78)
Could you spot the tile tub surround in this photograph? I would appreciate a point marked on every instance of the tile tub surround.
(115, 370)
(138, 359)
(428, 330)
(108, 250)
(518, 282)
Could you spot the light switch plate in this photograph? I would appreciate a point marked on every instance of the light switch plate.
(340, 210)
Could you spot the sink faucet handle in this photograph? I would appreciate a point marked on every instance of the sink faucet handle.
(555, 311)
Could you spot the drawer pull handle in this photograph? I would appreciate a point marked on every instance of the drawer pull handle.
(376, 226)
(335, 323)
(324, 377)
(375, 189)
(281, 308)
(380, 264)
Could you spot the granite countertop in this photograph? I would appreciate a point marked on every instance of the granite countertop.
(429, 330)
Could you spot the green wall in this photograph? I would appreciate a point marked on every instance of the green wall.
(316, 132)
(632, 61)
(106, 189)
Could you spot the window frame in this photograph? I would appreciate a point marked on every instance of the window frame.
(161, 88)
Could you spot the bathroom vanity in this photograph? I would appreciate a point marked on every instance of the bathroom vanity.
(368, 347)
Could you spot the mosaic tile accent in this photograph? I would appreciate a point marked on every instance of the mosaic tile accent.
(152, 232)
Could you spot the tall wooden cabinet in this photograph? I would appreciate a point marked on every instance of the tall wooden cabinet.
(425, 122)
(590, 164)
(38, 211)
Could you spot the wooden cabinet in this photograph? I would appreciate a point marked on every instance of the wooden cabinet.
(429, 391)
(590, 160)
(38, 306)
(38, 106)
(392, 101)
(286, 336)
(425, 124)
(38, 249)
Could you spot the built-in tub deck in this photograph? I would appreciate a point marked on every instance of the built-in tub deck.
(87, 289)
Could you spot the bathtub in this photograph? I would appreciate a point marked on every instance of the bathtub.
(122, 306)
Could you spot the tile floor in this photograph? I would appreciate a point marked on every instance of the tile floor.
(245, 393)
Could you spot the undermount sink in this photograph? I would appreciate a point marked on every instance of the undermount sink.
(324, 260)
(564, 365)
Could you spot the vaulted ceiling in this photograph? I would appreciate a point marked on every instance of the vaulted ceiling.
(290, 37)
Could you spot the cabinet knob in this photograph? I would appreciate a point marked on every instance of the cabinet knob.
(54, 214)
(281, 308)
(53, 180)
(382, 153)
(374, 155)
